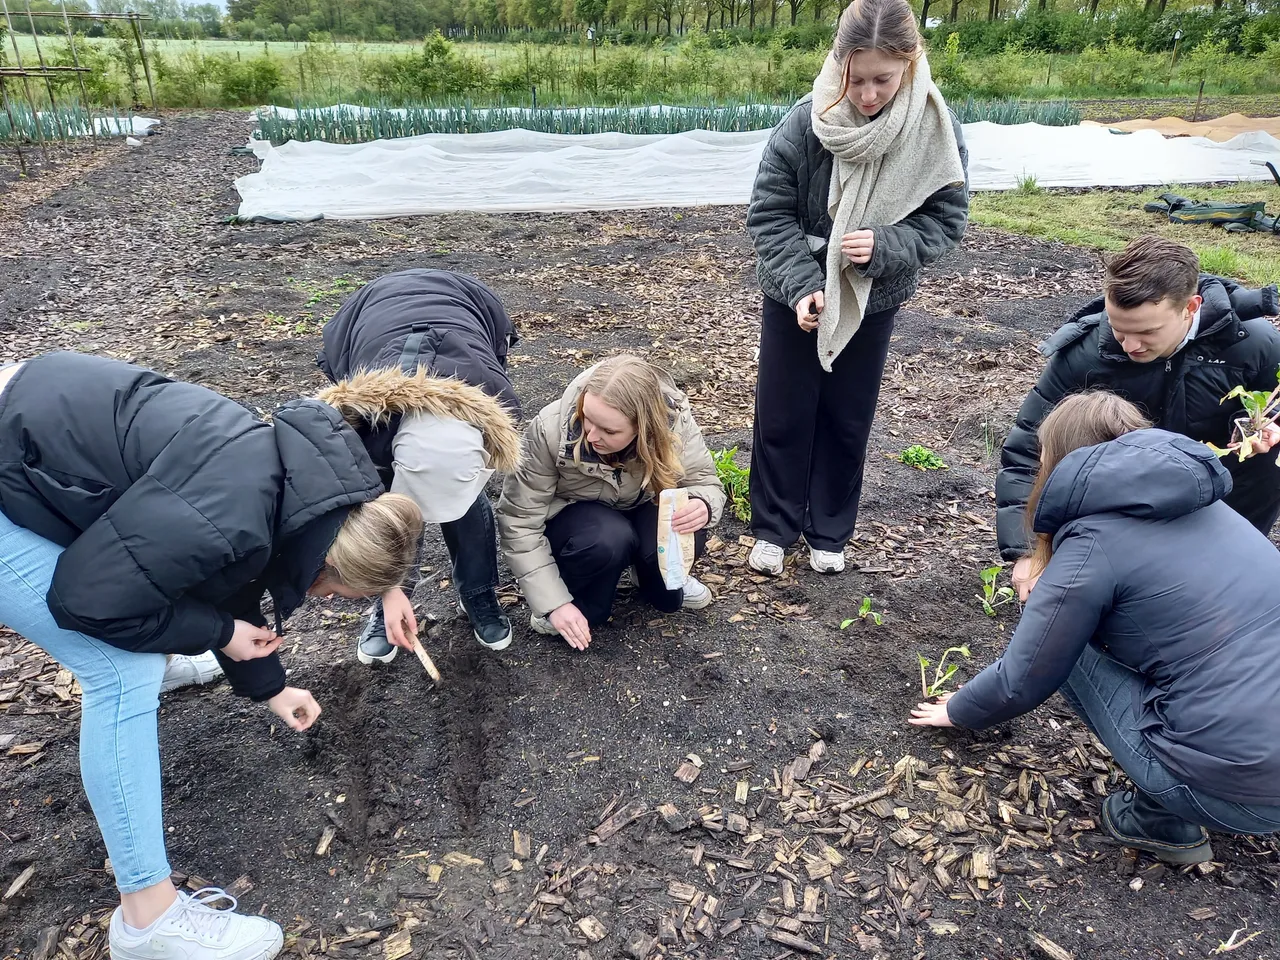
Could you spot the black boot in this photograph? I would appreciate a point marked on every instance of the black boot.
(1138, 822)
(490, 625)
(373, 645)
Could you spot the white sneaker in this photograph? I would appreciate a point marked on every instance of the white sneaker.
(696, 594)
(824, 561)
(542, 625)
(184, 671)
(766, 557)
(192, 929)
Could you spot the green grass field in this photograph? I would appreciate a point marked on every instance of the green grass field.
(666, 70)
(1108, 219)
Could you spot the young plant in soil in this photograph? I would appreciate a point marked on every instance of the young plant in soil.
(736, 481)
(942, 673)
(992, 596)
(1261, 410)
(922, 458)
(864, 613)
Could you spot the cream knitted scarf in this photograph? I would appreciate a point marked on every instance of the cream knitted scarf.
(884, 170)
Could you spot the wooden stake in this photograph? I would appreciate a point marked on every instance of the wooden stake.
(427, 663)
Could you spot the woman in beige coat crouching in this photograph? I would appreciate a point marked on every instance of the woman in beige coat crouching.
(583, 505)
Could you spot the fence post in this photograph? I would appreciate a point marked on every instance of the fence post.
(84, 92)
(48, 81)
(142, 51)
(26, 83)
(13, 128)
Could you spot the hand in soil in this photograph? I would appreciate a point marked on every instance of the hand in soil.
(402, 625)
(1024, 580)
(692, 518)
(932, 714)
(807, 311)
(572, 625)
(249, 642)
(295, 707)
(858, 246)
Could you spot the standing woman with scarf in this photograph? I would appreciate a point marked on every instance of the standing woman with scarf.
(861, 186)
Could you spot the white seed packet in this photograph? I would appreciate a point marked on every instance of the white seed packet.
(675, 550)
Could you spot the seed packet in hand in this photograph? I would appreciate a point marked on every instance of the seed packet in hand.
(675, 550)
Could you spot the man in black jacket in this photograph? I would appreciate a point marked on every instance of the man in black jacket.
(418, 359)
(1174, 342)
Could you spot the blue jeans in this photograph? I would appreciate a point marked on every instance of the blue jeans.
(1106, 693)
(472, 540)
(119, 750)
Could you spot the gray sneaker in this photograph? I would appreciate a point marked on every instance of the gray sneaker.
(373, 646)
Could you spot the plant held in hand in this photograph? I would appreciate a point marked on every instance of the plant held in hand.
(1261, 410)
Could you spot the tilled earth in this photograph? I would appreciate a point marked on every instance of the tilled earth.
(530, 807)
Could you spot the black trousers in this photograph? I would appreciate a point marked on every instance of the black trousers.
(593, 543)
(811, 429)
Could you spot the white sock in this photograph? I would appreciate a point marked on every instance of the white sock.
(133, 931)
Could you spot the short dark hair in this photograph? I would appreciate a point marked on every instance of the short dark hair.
(1151, 269)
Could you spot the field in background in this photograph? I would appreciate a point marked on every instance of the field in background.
(223, 72)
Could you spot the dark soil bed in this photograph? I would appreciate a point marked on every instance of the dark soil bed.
(478, 819)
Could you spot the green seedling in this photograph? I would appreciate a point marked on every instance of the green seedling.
(942, 674)
(922, 458)
(1261, 410)
(864, 613)
(736, 481)
(993, 596)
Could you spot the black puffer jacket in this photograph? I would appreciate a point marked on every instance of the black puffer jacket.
(1151, 568)
(1234, 346)
(450, 323)
(177, 508)
(790, 226)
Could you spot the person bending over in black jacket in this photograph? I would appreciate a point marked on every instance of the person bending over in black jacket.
(419, 364)
(139, 517)
(1170, 340)
(1156, 617)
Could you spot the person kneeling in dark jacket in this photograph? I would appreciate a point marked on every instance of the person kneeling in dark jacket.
(418, 359)
(1170, 340)
(1156, 617)
(141, 517)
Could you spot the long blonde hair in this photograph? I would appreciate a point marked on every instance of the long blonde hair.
(1081, 420)
(377, 544)
(634, 388)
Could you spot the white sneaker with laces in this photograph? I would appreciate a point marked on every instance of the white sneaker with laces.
(766, 558)
(696, 594)
(825, 561)
(183, 671)
(193, 929)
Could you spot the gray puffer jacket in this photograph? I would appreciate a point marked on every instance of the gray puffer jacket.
(790, 226)
(1150, 567)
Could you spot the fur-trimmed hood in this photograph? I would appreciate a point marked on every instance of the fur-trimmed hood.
(371, 398)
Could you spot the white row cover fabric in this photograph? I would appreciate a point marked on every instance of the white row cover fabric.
(104, 126)
(521, 171)
(361, 112)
